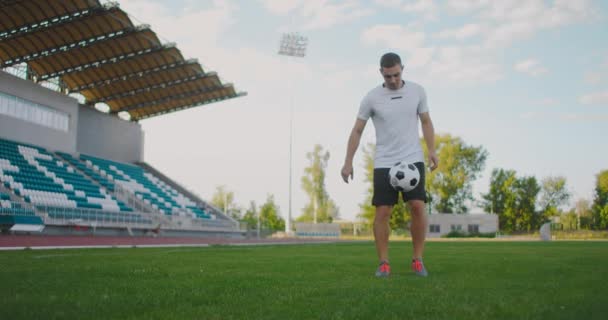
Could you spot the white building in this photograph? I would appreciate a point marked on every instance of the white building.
(442, 223)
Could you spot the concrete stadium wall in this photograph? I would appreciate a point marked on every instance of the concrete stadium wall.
(109, 137)
(23, 131)
(56, 230)
(89, 131)
(323, 230)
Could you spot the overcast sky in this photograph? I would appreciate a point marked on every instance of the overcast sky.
(527, 80)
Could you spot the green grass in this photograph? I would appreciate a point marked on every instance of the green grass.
(468, 280)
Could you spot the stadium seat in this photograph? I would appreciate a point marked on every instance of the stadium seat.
(146, 187)
(14, 213)
(20, 219)
(46, 181)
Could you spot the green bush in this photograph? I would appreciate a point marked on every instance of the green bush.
(455, 234)
(400, 232)
(461, 234)
(484, 235)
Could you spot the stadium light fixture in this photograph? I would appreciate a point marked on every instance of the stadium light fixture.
(124, 115)
(291, 45)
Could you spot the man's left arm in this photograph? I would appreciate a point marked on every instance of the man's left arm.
(429, 137)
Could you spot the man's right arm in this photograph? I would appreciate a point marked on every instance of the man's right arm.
(353, 145)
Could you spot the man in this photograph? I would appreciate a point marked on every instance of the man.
(395, 107)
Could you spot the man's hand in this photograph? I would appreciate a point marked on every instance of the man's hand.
(433, 161)
(347, 171)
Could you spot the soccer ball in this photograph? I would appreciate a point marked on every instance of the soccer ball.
(404, 176)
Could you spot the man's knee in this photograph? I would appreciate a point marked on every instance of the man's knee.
(383, 213)
(417, 207)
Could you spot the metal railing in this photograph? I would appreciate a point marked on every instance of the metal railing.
(169, 221)
(129, 198)
(16, 209)
(92, 217)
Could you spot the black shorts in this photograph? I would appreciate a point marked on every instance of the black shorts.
(386, 195)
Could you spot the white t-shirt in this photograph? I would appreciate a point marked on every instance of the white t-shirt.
(395, 117)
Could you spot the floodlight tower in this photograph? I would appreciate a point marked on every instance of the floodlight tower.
(291, 45)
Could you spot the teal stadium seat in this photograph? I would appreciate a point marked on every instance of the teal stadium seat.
(13, 212)
(43, 179)
(46, 181)
(146, 187)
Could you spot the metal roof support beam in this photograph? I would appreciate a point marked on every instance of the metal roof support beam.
(156, 86)
(6, 3)
(138, 74)
(122, 57)
(55, 21)
(79, 44)
(174, 97)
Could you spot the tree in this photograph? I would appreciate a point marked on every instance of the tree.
(600, 202)
(400, 215)
(368, 211)
(224, 200)
(553, 195)
(501, 184)
(569, 220)
(251, 216)
(451, 184)
(583, 213)
(526, 191)
(320, 208)
(270, 217)
(513, 200)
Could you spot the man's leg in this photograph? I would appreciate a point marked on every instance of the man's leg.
(418, 227)
(382, 230)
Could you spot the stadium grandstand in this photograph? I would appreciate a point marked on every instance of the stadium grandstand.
(76, 78)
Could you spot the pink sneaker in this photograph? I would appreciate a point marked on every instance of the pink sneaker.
(384, 270)
(418, 267)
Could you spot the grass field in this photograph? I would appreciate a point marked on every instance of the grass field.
(468, 280)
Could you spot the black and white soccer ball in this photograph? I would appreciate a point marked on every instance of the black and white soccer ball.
(404, 176)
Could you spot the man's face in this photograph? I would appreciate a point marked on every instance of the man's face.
(392, 76)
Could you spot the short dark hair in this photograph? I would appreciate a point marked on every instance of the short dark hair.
(390, 60)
